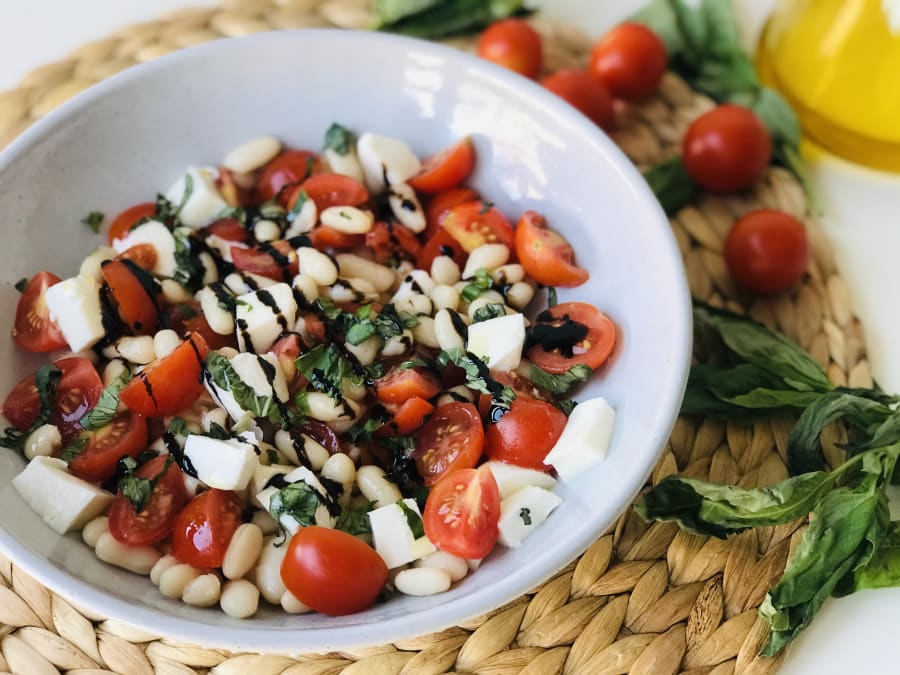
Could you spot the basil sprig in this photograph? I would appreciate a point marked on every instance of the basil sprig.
(439, 18)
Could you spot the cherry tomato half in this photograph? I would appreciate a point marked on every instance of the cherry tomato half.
(446, 169)
(545, 254)
(576, 332)
(441, 243)
(525, 434)
(205, 526)
(630, 60)
(410, 415)
(332, 572)
(34, 330)
(388, 240)
(726, 149)
(462, 512)
(124, 436)
(767, 251)
(475, 223)
(142, 255)
(441, 203)
(401, 384)
(123, 222)
(513, 44)
(134, 292)
(330, 189)
(291, 166)
(451, 440)
(585, 94)
(155, 521)
(277, 261)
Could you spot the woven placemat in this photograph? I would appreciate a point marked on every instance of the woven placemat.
(643, 598)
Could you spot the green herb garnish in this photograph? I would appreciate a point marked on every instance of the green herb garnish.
(93, 220)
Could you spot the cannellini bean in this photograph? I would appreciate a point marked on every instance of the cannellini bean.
(165, 342)
(376, 487)
(252, 155)
(398, 344)
(174, 293)
(508, 274)
(473, 563)
(239, 598)
(347, 219)
(43, 441)
(291, 605)
(113, 371)
(268, 571)
(92, 265)
(307, 286)
(316, 265)
(137, 559)
(353, 266)
(243, 551)
(137, 349)
(174, 580)
(486, 256)
(161, 566)
(422, 581)
(266, 523)
(355, 391)
(362, 285)
(401, 271)
(417, 304)
(406, 207)
(341, 469)
(210, 270)
(213, 416)
(244, 282)
(204, 591)
(424, 332)
(315, 453)
(228, 352)
(417, 282)
(326, 409)
(91, 532)
(445, 297)
(366, 351)
(454, 566)
(304, 220)
(346, 164)
(486, 298)
(220, 320)
(266, 230)
(444, 270)
(445, 331)
(383, 158)
(520, 294)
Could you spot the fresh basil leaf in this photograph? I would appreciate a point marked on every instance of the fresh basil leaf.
(567, 405)
(93, 220)
(325, 368)
(73, 449)
(21, 284)
(363, 432)
(297, 206)
(483, 281)
(327, 309)
(137, 489)
(46, 380)
(525, 515)
(339, 138)
(296, 500)
(189, 271)
(883, 569)
(223, 375)
(186, 195)
(105, 410)
(390, 11)
(178, 427)
(386, 324)
(671, 184)
(778, 116)
(560, 384)
(552, 299)
(492, 310)
(478, 375)
(354, 521)
(218, 432)
(413, 519)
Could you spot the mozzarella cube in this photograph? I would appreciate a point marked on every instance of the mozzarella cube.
(384, 158)
(62, 500)
(261, 316)
(262, 474)
(227, 465)
(523, 511)
(160, 238)
(394, 540)
(74, 304)
(203, 201)
(511, 478)
(226, 400)
(262, 373)
(585, 439)
(498, 341)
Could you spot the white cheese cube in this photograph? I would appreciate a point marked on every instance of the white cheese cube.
(394, 540)
(227, 465)
(203, 202)
(262, 373)
(511, 478)
(498, 341)
(159, 237)
(63, 501)
(385, 158)
(262, 474)
(523, 511)
(226, 400)
(74, 305)
(585, 439)
(261, 316)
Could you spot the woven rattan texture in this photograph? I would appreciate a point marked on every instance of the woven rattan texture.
(644, 598)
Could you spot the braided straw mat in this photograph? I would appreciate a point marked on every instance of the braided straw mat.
(643, 598)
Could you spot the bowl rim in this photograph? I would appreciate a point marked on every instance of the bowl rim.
(322, 639)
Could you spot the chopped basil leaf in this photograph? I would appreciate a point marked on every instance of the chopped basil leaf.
(340, 139)
(178, 427)
(485, 207)
(21, 284)
(296, 500)
(138, 490)
(387, 323)
(327, 308)
(363, 432)
(105, 410)
(489, 311)
(413, 519)
(478, 375)
(562, 383)
(325, 368)
(483, 282)
(525, 515)
(238, 213)
(188, 191)
(73, 449)
(354, 521)
(223, 375)
(272, 455)
(218, 432)
(298, 205)
(46, 380)
(185, 311)
(189, 271)
(552, 299)
(93, 220)
(435, 19)
(567, 405)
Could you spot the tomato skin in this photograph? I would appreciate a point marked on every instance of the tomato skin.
(592, 351)
(513, 44)
(545, 254)
(330, 189)
(443, 202)
(156, 521)
(34, 330)
(142, 255)
(324, 236)
(410, 415)
(401, 384)
(138, 309)
(332, 572)
(630, 60)
(726, 149)
(77, 391)
(462, 512)
(205, 526)
(124, 436)
(525, 434)
(447, 169)
(441, 243)
(229, 229)
(170, 384)
(475, 223)
(291, 166)
(585, 94)
(276, 261)
(451, 440)
(389, 239)
(767, 251)
(123, 222)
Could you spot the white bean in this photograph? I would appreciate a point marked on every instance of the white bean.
(376, 487)
(174, 293)
(137, 349)
(92, 265)
(91, 532)
(304, 220)
(165, 342)
(239, 282)
(444, 270)
(316, 265)
(210, 271)
(268, 571)
(220, 320)
(113, 371)
(161, 566)
(422, 581)
(213, 416)
(42, 441)
(355, 391)
(341, 469)
(326, 409)
(362, 285)
(239, 598)
(415, 283)
(204, 591)
(381, 277)
(366, 351)
(291, 605)
(137, 559)
(228, 352)
(445, 332)
(508, 274)
(458, 393)
(174, 580)
(398, 344)
(401, 271)
(266, 230)
(445, 297)
(243, 551)
(424, 332)
(384, 158)
(347, 219)
(252, 155)
(486, 298)
(520, 294)
(346, 164)
(406, 207)
(315, 453)
(453, 565)
(307, 286)
(266, 523)
(488, 257)
(473, 563)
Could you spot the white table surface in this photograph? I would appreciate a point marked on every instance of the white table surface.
(855, 634)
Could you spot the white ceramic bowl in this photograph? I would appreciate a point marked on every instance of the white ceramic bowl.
(127, 138)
